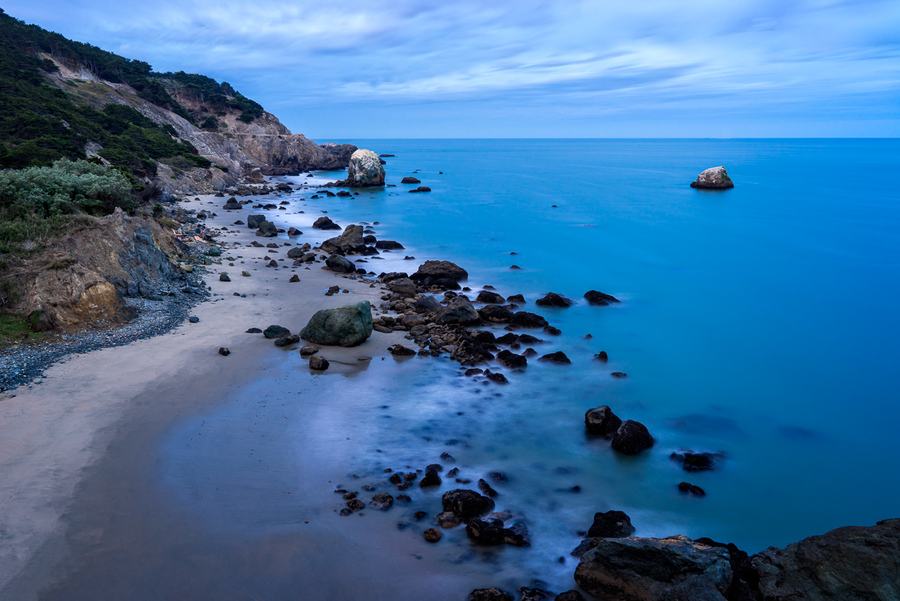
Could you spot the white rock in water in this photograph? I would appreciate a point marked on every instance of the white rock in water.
(714, 178)
(365, 169)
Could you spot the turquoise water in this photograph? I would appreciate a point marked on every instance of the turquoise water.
(757, 321)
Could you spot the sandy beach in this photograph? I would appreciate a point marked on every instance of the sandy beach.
(77, 451)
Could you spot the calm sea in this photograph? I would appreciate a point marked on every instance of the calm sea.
(759, 322)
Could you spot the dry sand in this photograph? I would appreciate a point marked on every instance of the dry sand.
(53, 435)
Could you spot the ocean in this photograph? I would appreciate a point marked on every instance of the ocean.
(757, 322)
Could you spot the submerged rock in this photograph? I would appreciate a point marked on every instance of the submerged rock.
(349, 325)
(714, 178)
(467, 504)
(631, 438)
(595, 297)
(552, 299)
(601, 421)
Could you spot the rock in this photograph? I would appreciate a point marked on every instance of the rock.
(223, 277)
(495, 313)
(294, 279)
(433, 535)
(254, 221)
(489, 594)
(420, 189)
(495, 377)
(714, 178)
(442, 274)
(533, 594)
(287, 340)
(458, 311)
(349, 325)
(194, 319)
(388, 245)
(232, 204)
(350, 241)
(652, 569)
(509, 359)
(601, 421)
(398, 350)
(612, 524)
(696, 462)
(340, 264)
(318, 363)
(267, 229)
(488, 297)
(485, 488)
(517, 299)
(431, 478)
(402, 286)
(295, 253)
(690, 488)
(558, 357)
(224, 351)
(595, 297)
(516, 535)
(485, 532)
(552, 299)
(602, 357)
(619, 374)
(466, 504)
(525, 319)
(309, 349)
(483, 336)
(275, 331)
(365, 170)
(381, 501)
(447, 520)
(851, 563)
(325, 223)
(292, 231)
(572, 595)
(631, 438)
(410, 180)
(426, 304)
(253, 331)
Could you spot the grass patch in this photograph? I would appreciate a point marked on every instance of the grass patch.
(15, 329)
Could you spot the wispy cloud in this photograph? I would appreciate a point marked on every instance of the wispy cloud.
(644, 55)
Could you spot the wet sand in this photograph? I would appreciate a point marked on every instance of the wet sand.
(85, 510)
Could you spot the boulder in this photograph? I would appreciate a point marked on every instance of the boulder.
(351, 241)
(489, 594)
(458, 311)
(275, 331)
(495, 313)
(552, 299)
(443, 274)
(714, 178)
(485, 532)
(349, 325)
(488, 297)
(365, 170)
(512, 360)
(340, 264)
(852, 562)
(601, 421)
(292, 231)
(650, 569)
(318, 363)
(631, 438)
(295, 253)
(287, 340)
(254, 221)
(403, 287)
(558, 357)
(267, 229)
(467, 504)
(324, 223)
(388, 245)
(611, 524)
(595, 297)
(525, 319)
(382, 501)
(426, 304)
(232, 204)
(410, 180)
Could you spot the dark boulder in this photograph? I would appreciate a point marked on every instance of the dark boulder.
(489, 594)
(340, 264)
(511, 360)
(420, 189)
(382, 501)
(325, 223)
(232, 204)
(516, 535)
(458, 311)
(318, 363)
(402, 286)
(275, 331)
(552, 299)
(431, 478)
(388, 245)
(295, 253)
(410, 180)
(495, 313)
(287, 340)
(696, 462)
(558, 357)
(254, 221)
(485, 532)
(267, 229)
(398, 350)
(440, 274)
(631, 438)
(671, 568)
(517, 299)
(524, 319)
(601, 421)
(495, 377)
(350, 241)
(292, 231)
(426, 304)
(466, 504)
(595, 297)
(488, 297)
(611, 524)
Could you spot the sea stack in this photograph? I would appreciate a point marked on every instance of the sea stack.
(365, 170)
(714, 178)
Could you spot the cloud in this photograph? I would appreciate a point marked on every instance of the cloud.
(644, 53)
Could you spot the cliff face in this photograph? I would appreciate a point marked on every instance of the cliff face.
(236, 146)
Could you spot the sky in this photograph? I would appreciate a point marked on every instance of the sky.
(341, 69)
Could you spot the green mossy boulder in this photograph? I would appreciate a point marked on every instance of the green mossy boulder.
(349, 325)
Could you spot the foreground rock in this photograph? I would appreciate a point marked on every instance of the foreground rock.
(847, 563)
(631, 438)
(714, 178)
(601, 421)
(649, 569)
(611, 524)
(595, 297)
(350, 241)
(365, 170)
(350, 325)
(466, 504)
(439, 274)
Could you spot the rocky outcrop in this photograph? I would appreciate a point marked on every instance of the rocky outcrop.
(651, 569)
(91, 270)
(714, 178)
(847, 563)
(439, 274)
(351, 241)
(350, 325)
